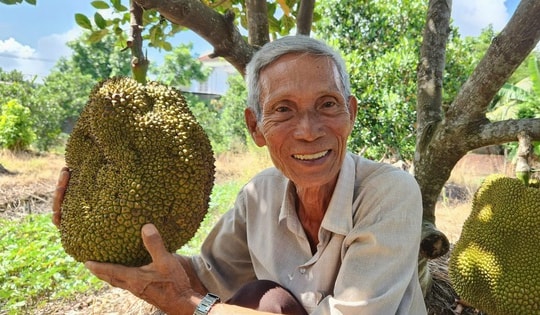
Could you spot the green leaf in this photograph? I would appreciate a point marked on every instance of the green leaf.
(274, 24)
(98, 4)
(10, 1)
(287, 23)
(100, 21)
(118, 6)
(118, 31)
(32, 2)
(97, 35)
(534, 71)
(83, 21)
(166, 46)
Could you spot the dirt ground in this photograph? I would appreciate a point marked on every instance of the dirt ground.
(451, 212)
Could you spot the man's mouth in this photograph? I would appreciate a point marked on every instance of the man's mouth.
(310, 157)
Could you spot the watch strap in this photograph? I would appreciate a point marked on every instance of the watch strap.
(206, 304)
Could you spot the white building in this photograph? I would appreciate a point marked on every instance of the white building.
(217, 81)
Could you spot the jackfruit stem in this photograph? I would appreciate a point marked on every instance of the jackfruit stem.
(523, 169)
(139, 62)
(139, 69)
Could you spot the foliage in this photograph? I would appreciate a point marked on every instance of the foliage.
(519, 100)
(59, 100)
(206, 115)
(14, 86)
(34, 267)
(231, 124)
(380, 41)
(16, 132)
(158, 31)
(221, 200)
(223, 119)
(101, 60)
(179, 68)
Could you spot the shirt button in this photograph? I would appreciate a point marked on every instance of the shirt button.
(302, 270)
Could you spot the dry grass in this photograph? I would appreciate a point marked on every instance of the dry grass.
(465, 179)
(241, 166)
(30, 183)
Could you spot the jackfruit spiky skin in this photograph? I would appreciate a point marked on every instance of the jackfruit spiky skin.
(137, 155)
(495, 264)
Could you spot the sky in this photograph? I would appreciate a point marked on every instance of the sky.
(32, 38)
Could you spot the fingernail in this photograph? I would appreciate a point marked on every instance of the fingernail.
(149, 229)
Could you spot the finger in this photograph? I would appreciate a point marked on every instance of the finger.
(58, 196)
(115, 275)
(154, 244)
(57, 218)
(61, 186)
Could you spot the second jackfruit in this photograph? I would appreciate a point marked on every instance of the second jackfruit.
(494, 265)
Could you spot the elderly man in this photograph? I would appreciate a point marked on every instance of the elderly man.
(324, 232)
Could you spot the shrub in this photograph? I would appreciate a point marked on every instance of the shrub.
(16, 132)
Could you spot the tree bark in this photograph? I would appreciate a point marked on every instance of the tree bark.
(257, 16)
(304, 18)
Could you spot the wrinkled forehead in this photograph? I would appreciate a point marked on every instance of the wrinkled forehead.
(295, 57)
(301, 67)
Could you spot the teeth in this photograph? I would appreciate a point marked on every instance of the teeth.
(314, 156)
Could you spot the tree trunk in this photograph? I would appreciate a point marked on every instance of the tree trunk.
(444, 138)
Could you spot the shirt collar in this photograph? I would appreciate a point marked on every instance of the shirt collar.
(338, 218)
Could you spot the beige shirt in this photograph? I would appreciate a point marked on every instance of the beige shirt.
(367, 257)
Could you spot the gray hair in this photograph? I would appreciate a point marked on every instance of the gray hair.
(286, 45)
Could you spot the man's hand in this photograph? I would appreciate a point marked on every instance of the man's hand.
(163, 283)
(58, 196)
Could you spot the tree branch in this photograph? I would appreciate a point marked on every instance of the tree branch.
(505, 54)
(139, 62)
(304, 18)
(215, 28)
(507, 131)
(257, 16)
(431, 68)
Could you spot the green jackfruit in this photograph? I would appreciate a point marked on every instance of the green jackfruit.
(137, 155)
(495, 264)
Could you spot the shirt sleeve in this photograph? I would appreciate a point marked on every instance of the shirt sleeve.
(379, 273)
(224, 263)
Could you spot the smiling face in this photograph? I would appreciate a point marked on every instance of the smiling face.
(305, 120)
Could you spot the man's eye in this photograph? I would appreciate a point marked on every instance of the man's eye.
(329, 104)
(282, 109)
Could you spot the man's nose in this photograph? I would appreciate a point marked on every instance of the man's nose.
(309, 126)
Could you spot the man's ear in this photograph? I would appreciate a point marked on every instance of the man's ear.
(253, 127)
(353, 108)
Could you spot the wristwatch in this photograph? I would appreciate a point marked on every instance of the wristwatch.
(206, 304)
